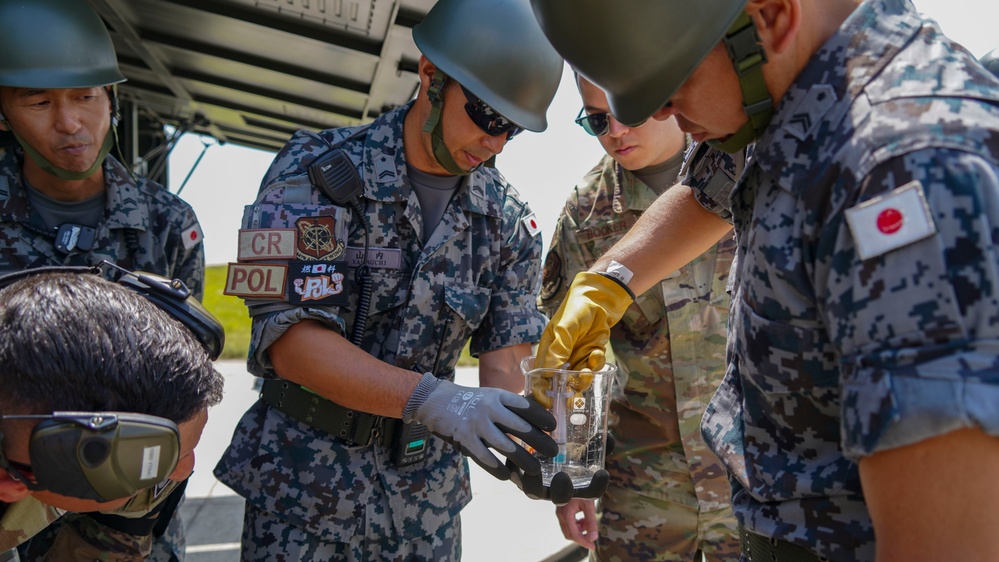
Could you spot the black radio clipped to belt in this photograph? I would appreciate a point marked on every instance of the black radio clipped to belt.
(410, 443)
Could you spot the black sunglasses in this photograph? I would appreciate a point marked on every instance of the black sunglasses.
(596, 124)
(487, 118)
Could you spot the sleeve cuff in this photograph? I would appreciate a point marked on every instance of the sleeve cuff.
(423, 391)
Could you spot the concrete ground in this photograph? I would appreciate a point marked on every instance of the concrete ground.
(500, 524)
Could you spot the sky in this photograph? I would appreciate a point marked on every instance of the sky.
(543, 167)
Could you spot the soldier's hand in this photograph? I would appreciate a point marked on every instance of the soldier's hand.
(578, 521)
(561, 490)
(475, 419)
(578, 331)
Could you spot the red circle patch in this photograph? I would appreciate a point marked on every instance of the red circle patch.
(890, 221)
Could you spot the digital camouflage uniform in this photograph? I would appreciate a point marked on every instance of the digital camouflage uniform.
(837, 354)
(668, 494)
(144, 227)
(310, 496)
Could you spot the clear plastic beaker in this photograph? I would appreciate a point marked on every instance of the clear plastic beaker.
(579, 401)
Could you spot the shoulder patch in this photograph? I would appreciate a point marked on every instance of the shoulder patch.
(890, 221)
(530, 222)
(192, 236)
(252, 280)
(266, 244)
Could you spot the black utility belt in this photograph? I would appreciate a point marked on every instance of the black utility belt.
(347, 426)
(760, 548)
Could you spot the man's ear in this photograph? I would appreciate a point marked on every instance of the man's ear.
(777, 22)
(11, 490)
(426, 71)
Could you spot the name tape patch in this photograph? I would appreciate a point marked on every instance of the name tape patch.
(266, 244)
(383, 258)
(250, 280)
(890, 221)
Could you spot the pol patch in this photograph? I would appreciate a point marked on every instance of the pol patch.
(318, 282)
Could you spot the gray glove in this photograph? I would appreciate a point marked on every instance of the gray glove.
(474, 419)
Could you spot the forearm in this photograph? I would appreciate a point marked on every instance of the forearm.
(500, 368)
(935, 499)
(672, 232)
(326, 363)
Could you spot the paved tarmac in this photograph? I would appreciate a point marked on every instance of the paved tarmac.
(499, 525)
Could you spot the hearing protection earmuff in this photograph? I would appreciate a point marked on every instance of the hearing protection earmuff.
(98, 456)
(104, 456)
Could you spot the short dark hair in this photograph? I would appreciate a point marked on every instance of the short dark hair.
(74, 341)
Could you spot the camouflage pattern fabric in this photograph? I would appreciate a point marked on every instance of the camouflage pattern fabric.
(78, 537)
(263, 530)
(833, 355)
(670, 352)
(474, 280)
(145, 227)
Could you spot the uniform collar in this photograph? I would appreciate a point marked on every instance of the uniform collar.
(124, 207)
(810, 113)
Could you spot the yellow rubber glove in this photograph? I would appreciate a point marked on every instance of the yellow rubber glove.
(578, 331)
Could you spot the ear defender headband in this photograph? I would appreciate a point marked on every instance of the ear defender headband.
(169, 295)
(104, 456)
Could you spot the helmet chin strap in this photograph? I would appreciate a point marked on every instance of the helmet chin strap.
(110, 139)
(61, 173)
(435, 126)
(748, 57)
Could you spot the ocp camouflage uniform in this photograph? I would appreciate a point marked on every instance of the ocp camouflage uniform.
(837, 354)
(668, 496)
(309, 495)
(144, 227)
(80, 537)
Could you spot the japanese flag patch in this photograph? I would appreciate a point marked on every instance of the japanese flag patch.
(531, 224)
(192, 236)
(890, 221)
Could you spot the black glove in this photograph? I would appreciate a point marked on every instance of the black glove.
(561, 489)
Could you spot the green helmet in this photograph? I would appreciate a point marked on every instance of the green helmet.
(54, 44)
(641, 51)
(991, 62)
(638, 51)
(496, 50)
(57, 44)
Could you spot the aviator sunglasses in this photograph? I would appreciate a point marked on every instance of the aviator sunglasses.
(596, 124)
(487, 118)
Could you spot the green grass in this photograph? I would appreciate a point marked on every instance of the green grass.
(230, 311)
(232, 314)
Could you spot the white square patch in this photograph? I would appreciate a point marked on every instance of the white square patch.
(531, 224)
(890, 221)
(192, 236)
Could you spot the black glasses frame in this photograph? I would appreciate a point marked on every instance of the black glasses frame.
(488, 119)
(596, 124)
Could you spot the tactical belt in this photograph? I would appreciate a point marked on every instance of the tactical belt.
(347, 426)
(759, 548)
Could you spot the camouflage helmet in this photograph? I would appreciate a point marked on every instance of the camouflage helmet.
(638, 51)
(496, 50)
(54, 44)
(991, 62)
